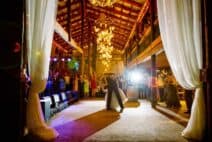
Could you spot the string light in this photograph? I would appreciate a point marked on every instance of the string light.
(103, 3)
(104, 30)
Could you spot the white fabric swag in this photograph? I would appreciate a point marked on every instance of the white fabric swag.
(180, 28)
(41, 15)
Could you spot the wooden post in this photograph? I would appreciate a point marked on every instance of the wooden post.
(82, 38)
(153, 81)
(207, 67)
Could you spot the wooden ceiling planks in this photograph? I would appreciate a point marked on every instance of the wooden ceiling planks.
(60, 43)
(124, 15)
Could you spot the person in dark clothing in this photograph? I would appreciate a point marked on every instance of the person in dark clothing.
(113, 86)
(171, 97)
(188, 99)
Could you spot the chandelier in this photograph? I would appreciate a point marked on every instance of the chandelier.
(104, 31)
(103, 3)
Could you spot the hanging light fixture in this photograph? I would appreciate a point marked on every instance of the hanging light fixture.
(104, 31)
(103, 3)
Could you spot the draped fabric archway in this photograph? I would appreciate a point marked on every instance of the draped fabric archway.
(180, 28)
(40, 16)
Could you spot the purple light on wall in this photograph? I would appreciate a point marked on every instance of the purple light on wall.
(54, 59)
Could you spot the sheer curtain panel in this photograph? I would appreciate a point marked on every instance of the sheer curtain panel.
(41, 15)
(180, 28)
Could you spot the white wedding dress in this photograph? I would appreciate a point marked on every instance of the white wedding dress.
(114, 101)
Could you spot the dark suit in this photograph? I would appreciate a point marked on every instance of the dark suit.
(113, 86)
(188, 99)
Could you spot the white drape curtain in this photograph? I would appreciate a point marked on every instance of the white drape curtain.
(41, 15)
(180, 28)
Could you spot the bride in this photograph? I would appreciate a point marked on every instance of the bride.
(114, 104)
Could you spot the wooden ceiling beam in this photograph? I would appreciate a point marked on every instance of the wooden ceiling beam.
(65, 15)
(118, 42)
(79, 35)
(79, 30)
(117, 34)
(68, 27)
(73, 3)
(92, 10)
(140, 17)
(76, 28)
(121, 30)
(78, 39)
(78, 21)
(120, 27)
(112, 11)
(117, 46)
(57, 45)
(85, 42)
(61, 3)
(133, 3)
(63, 11)
(126, 8)
(123, 39)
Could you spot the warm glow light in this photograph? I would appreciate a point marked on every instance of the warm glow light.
(38, 53)
(135, 77)
(104, 31)
(103, 3)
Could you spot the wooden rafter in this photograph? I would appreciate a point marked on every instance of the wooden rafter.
(68, 19)
(78, 29)
(82, 23)
(133, 3)
(76, 32)
(64, 16)
(140, 17)
(73, 3)
(114, 16)
(126, 8)
(118, 42)
(113, 11)
(79, 35)
(79, 18)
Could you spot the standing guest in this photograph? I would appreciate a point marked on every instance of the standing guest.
(81, 86)
(188, 99)
(86, 86)
(160, 88)
(93, 85)
(171, 97)
(76, 83)
(67, 81)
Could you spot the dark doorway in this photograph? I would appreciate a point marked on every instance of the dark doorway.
(10, 61)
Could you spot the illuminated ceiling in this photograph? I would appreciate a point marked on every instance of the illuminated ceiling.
(78, 17)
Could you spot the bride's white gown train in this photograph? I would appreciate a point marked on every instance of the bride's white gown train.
(114, 101)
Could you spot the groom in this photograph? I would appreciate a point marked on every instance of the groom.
(113, 86)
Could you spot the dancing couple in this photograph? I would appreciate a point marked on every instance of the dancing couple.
(115, 95)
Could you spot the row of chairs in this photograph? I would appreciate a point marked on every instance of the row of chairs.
(57, 102)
